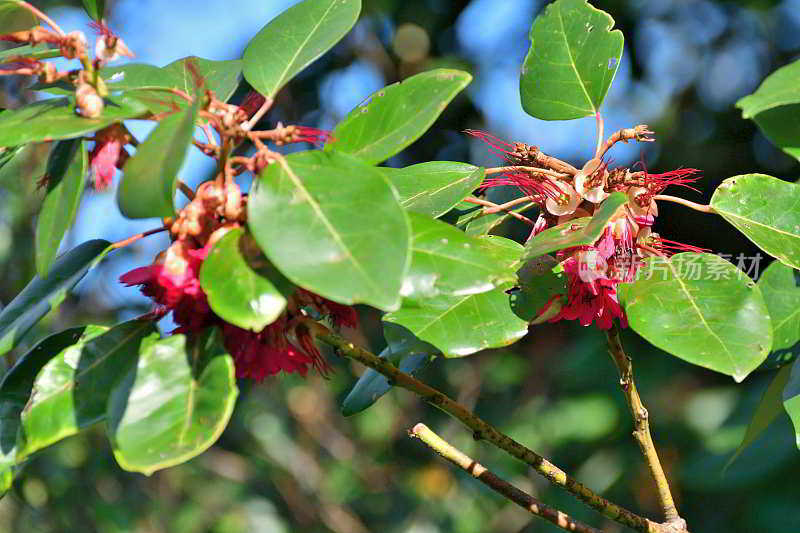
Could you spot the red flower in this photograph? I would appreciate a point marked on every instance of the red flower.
(108, 153)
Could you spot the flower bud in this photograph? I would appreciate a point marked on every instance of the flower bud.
(89, 103)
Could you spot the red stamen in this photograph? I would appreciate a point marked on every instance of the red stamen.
(681, 177)
(314, 136)
(497, 146)
(669, 248)
(100, 28)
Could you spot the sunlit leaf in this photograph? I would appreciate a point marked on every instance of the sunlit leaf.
(40, 295)
(95, 8)
(539, 282)
(173, 405)
(780, 286)
(294, 39)
(333, 225)
(702, 309)
(571, 63)
(765, 210)
(66, 177)
(14, 17)
(395, 116)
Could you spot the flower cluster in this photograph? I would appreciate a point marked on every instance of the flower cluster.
(172, 281)
(565, 193)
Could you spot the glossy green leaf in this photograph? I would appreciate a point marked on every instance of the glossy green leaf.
(94, 8)
(444, 260)
(40, 51)
(17, 384)
(397, 115)
(775, 107)
(571, 63)
(433, 188)
(765, 210)
(791, 398)
(40, 295)
(294, 39)
(150, 177)
(23, 163)
(579, 232)
(462, 325)
(222, 77)
(14, 17)
(72, 390)
(405, 351)
(540, 279)
(780, 286)
(66, 177)
(702, 309)
(173, 405)
(55, 119)
(770, 406)
(242, 287)
(333, 225)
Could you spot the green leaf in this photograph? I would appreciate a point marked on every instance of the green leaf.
(780, 286)
(462, 325)
(17, 384)
(195, 393)
(6, 480)
(40, 295)
(397, 115)
(72, 390)
(571, 63)
(578, 232)
(40, 51)
(56, 119)
(95, 8)
(66, 177)
(540, 279)
(14, 17)
(702, 309)
(768, 409)
(765, 210)
(333, 225)
(150, 177)
(405, 351)
(791, 398)
(446, 261)
(242, 287)
(294, 39)
(435, 187)
(27, 162)
(775, 107)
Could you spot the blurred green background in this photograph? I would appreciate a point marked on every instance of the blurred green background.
(289, 461)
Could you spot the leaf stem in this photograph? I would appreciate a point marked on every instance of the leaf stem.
(496, 207)
(247, 126)
(599, 122)
(483, 430)
(186, 190)
(641, 426)
(692, 205)
(130, 240)
(50, 22)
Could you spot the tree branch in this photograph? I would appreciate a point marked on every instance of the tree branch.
(483, 430)
(502, 487)
(641, 430)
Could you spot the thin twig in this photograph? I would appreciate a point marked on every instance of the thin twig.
(483, 430)
(599, 121)
(502, 487)
(641, 426)
(508, 205)
(692, 205)
(50, 22)
(130, 240)
(532, 170)
(487, 203)
(247, 126)
(186, 190)
(209, 134)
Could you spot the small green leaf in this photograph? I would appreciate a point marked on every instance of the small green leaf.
(765, 210)
(40, 295)
(446, 261)
(702, 309)
(405, 351)
(768, 409)
(95, 8)
(435, 187)
(242, 287)
(539, 282)
(150, 177)
(578, 232)
(294, 39)
(462, 325)
(333, 225)
(66, 177)
(397, 115)
(71, 391)
(775, 107)
(195, 391)
(571, 63)
(791, 398)
(17, 384)
(14, 17)
(780, 286)
(56, 119)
